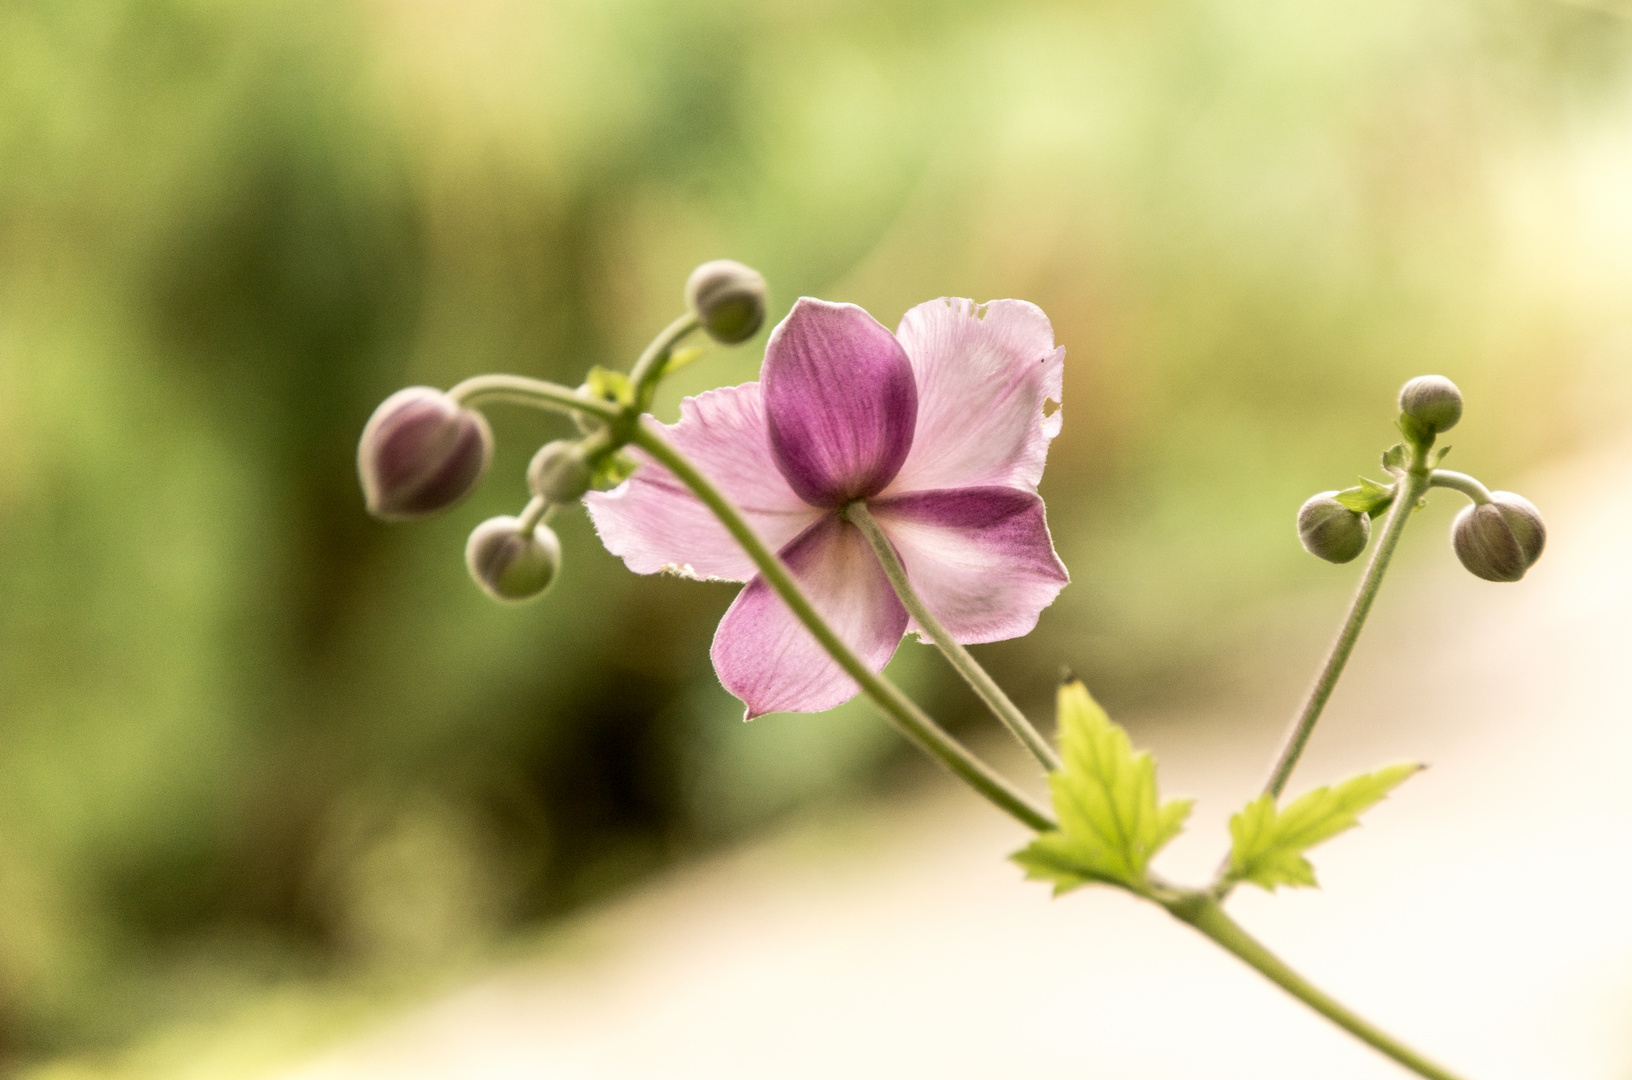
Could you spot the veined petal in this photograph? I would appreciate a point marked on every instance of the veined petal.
(840, 400)
(986, 375)
(654, 521)
(765, 656)
(980, 558)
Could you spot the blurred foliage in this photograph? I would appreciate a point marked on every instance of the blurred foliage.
(249, 737)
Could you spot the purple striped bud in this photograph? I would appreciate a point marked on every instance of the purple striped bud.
(1432, 401)
(421, 452)
(1499, 540)
(1330, 530)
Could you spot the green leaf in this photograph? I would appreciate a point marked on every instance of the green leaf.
(1269, 843)
(681, 357)
(1396, 457)
(609, 385)
(612, 470)
(1439, 455)
(1369, 498)
(1111, 821)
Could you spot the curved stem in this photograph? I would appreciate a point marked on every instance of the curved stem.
(1412, 485)
(520, 390)
(1467, 485)
(1205, 914)
(975, 675)
(644, 376)
(538, 511)
(895, 705)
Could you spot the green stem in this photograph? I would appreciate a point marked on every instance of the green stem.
(975, 675)
(519, 390)
(1467, 485)
(1204, 913)
(895, 705)
(648, 370)
(1411, 487)
(537, 512)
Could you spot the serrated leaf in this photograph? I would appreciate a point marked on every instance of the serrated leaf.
(1268, 843)
(1111, 821)
(1396, 457)
(1369, 497)
(609, 385)
(612, 470)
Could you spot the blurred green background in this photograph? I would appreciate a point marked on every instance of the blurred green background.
(251, 739)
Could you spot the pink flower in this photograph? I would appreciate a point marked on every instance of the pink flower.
(942, 428)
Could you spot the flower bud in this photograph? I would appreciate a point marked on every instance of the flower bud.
(729, 298)
(560, 472)
(1499, 540)
(1432, 401)
(421, 452)
(511, 565)
(1331, 530)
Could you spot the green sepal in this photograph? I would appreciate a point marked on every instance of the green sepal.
(681, 357)
(1111, 821)
(1396, 458)
(1416, 433)
(609, 385)
(1369, 498)
(1268, 843)
(612, 470)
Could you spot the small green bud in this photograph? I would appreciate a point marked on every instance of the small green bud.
(1331, 530)
(729, 298)
(511, 565)
(1499, 540)
(421, 452)
(1432, 401)
(560, 472)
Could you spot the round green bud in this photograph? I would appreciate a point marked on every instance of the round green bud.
(729, 298)
(511, 565)
(560, 472)
(1432, 401)
(421, 452)
(1499, 540)
(1330, 530)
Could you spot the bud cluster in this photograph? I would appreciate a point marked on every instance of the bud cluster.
(1498, 538)
(423, 450)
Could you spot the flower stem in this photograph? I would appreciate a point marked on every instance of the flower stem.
(520, 390)
(895, 705)
(1411, 487)
(1205, 914)
(537, 512)
(966, 665)
(648, 370)
(1467, 485)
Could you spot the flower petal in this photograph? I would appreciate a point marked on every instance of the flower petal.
(765, 656)
(840, 399)
(980, 558)
(986, 375)
(654, 521)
